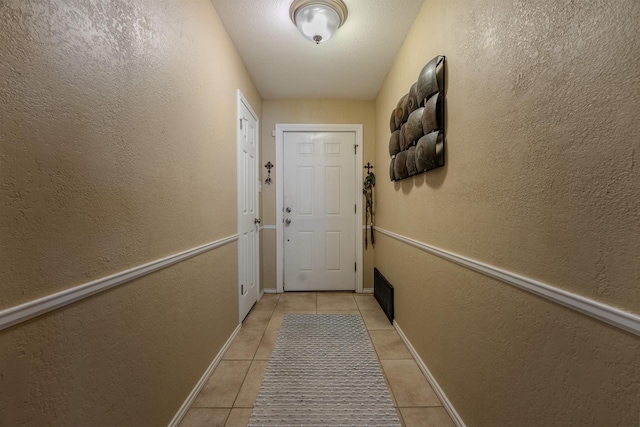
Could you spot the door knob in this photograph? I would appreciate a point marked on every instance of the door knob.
(287, 221)
(256, 221)
(288, 210)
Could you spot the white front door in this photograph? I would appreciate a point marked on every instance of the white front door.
(248, 266)
(319, 215)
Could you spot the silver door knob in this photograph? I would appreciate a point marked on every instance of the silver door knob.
(288, 210)
(256, 221)
(287, 221)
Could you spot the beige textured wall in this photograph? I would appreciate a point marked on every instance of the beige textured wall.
(321, 111)
(117, 127)
(542, 179)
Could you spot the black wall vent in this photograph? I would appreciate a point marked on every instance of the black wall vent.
(383, 291)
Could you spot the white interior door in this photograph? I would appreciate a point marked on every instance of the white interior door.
(248, 221)
(319, 211)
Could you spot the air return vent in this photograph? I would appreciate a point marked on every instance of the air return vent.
(383, 291)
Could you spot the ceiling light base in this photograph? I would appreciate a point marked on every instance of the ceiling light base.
(337, 5)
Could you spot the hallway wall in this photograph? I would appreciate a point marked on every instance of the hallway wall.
(118, 120)
(321, 111)
(541, 179)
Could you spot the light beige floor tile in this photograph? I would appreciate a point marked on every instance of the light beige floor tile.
(244, 345)
(223, 385)
(389, 345)
(266, 345)
(296, 302)
(205, 417)
(408, 384)
(251, 385)
(337, 301)
(267, 302)
(375, 319)
(239, 417)
(426, 417)
(257, 320)
(367, 302)
(393, 397)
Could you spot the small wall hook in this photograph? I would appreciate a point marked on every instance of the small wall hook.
(368, 167)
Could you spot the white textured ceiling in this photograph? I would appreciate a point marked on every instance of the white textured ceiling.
(351, 65)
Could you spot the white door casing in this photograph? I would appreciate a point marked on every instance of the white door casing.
(320, 249)
(248, 209)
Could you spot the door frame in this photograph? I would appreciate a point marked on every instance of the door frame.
(280, 130)
(241, 100)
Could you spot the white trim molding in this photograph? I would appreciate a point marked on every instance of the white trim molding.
(455, 417)
(625, 320)
(20, 313)
(203, 380)
(269, 227)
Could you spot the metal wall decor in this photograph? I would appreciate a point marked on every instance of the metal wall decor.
(367, 190)
(416, 144)
(268, 166)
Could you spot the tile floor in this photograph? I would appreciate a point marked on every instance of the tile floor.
(228, 396)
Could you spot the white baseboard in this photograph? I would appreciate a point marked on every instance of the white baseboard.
(457, 420)
(194, 393)
(367, 290)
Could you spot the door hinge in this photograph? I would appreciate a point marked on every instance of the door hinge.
(355, 209)
(355, 148)
(241, 289)
(241, 124)
(355, 266)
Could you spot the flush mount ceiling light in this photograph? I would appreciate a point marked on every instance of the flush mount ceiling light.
(318, 20)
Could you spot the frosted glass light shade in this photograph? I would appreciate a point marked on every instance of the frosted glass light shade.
(318, 20)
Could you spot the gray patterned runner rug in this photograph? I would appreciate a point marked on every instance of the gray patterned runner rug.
(323, 371)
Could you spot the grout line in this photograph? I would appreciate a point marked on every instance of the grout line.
(401, 418)
(226, 419)
(247, 373)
